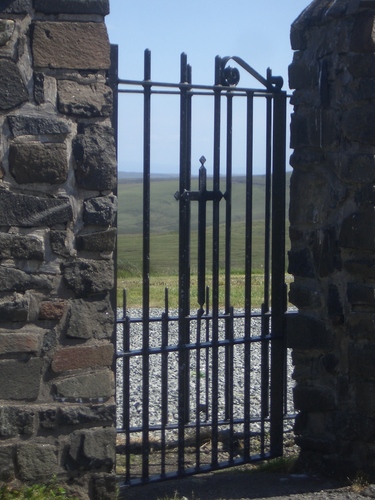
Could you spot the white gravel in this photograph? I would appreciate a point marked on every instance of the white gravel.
(200, 378)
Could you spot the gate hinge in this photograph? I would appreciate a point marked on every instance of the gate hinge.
(199, 195)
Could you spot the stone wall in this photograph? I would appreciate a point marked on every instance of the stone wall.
(57, 209)
(333, 234)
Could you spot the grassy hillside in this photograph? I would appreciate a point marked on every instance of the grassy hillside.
(164, 226)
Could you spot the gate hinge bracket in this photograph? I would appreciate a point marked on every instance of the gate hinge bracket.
(199, 195)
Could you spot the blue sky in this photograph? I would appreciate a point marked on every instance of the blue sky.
(257, 31)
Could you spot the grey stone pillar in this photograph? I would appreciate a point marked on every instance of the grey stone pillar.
(333, 234)
(57, 178)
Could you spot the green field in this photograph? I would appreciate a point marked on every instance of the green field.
(164, 233)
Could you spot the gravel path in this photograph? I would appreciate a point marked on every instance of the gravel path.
(200, 373)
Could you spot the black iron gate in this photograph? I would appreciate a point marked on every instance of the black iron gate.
(203, 386)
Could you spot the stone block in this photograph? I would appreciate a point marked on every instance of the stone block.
(39, 88)
(363, 33)
(61, 243)
(71, 45)
(14, 280)
(360, 325)
(313, 398)
(81, 415)
(100, 211)
(334, 305)
(358, 230)
(358, 124)
(325, 250)
(362, 361)
(14, 246)
(36, 461)
(302, 75)
(15, 6)
(360, 268)
(81, 357)
(14, 309)
(94, 153)
(25, 210)
(88, 277)
(16, 421)
(23, 379)
(306, 158)
(94, 448)
(306, 332)
(104, 486)
(301, 263)
(361, 65)
(7, 457)
(52, 310)
(360, 294)
(33, 125)
(90, 319)
(92, 386)
(36, 162)
(100, 7)
(13, 91)
(27, 341)
(365, 397)
(86, 101)
(103, 241)
(6, 31)
(305, 295)
(48, 418)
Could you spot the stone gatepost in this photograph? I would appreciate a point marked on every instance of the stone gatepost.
(333, 234)
(57, 210)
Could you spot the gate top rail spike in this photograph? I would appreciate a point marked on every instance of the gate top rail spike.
(230, 76)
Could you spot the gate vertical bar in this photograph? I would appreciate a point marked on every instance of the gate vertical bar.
(278, 274)
(215, 262)
(146, 265)
(184, 263)
(228, 238)
(248, 263)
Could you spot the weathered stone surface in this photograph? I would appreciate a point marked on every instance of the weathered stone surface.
(32, 125)
(104, 486)
(90, 319)
(93, 386)
(13, 309)
(78, 415)
(73, 6)
(15, 6)
(358, 230)
(48, 418)
(358, 124)
(360, 267)
(39, 88)
(361, 65)
(100, 211)
(60, 243)
(20, 342)
(39, 162)
(313, 399)
(362, 360)
(6, 31)
(80, 357)
(363, 33)
(361, 294)
(301, 263)
(29, 211)
(305, 295)
(103, 241)
(307, 332)
(89, 277)
(93, 448)
(7, 455)
(325, 250)
(14, 280)
(16, 421)
(365, 396)
(302, 74)
(23, 379)
(95, 158)
(52, 310)
(55, 45)
(12, 88)
(84, 100)
(14, 246)
(36, 461)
